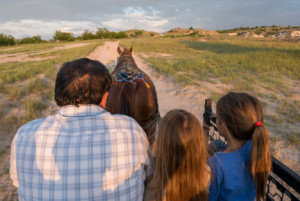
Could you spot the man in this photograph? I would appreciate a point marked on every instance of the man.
(82, 152)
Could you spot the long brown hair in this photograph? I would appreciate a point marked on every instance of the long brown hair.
(239, 112)
(181, 153)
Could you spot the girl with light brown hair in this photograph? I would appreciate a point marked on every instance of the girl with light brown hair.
(240, 170)
(181, 171)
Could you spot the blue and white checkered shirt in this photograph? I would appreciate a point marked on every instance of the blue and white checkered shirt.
(80, 153)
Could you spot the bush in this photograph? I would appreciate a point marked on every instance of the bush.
(105, 33)
(102, 33)
(138, 33)
(33, 39)
(63, 36)
(6, 40)
(87, 35)
(257, 31)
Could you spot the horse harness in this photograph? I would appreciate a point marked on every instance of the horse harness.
(129, 73)
(125, 77)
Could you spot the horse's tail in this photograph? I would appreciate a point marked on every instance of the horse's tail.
(127, 98)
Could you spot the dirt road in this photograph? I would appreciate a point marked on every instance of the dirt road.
(170, 95)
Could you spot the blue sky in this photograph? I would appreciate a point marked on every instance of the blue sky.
(22, 18)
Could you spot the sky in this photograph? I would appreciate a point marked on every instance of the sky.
(26, 18)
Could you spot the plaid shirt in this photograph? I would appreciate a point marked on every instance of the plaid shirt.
(80, 153)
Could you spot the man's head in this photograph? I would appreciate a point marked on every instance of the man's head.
(81, 81)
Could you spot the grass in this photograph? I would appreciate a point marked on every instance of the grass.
(215, 96)
(38, 85)
(294, 138)
(11, 123)
(1, 114)
(272, 120)
(261, 67)
(18, 71)
(232, 60)
(184, 79)
(290, 109)
(34, 108)
(14, 92)
(27, 48)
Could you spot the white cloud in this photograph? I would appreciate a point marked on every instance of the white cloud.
(136, 18)
(46, 29)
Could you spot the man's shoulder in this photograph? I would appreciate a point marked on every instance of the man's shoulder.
(32, 126)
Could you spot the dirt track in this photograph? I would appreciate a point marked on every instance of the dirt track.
(170, 95)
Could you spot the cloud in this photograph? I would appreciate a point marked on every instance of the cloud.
(46, 29)
(136, 18)
(26, 18)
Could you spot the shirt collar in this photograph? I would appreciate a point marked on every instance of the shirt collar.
(81, 110)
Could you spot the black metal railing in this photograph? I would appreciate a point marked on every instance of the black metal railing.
(283, 183)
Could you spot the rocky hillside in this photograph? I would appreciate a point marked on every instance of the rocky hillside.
(138, 33)
(191, 31)
(279, 32)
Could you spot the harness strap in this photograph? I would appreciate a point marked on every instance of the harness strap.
(130, 77)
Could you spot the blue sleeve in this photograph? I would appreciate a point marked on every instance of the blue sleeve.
(215, 187)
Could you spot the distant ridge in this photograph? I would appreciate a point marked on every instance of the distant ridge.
(190, 31)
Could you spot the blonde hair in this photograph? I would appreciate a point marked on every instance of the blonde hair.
(239, 112)
(181, 158)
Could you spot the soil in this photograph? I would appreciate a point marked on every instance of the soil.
(27, 56)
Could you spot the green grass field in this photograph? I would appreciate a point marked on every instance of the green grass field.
(266, 68)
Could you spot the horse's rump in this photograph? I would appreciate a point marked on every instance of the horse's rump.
(126, 99)
(133, 93)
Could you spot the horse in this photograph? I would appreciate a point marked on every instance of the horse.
(133, 93)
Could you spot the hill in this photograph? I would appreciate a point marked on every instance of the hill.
(138, 33)
(191, 31)
(280, 32)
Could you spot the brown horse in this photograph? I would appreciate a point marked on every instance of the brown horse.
(132, 93)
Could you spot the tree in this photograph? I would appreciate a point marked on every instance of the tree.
(102, 33)
(87, 35)
(138, 33)
(63, 36)
(191, 28)
(105, 33)
(33, 39)
(6, 40)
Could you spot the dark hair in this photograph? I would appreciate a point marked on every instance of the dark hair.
(239, 112)
(82, 81)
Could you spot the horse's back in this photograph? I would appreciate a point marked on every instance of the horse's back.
(133, 99)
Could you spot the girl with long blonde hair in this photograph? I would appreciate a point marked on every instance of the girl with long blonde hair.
(240, 170)
(181, 171)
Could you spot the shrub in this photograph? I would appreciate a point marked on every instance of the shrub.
(87, 35)
(34, 108)
(105, 33)
(63, 36)
(138, 33)
(6, 40)
(33, 39)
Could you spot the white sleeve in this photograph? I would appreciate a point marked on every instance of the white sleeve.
(13, 164)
